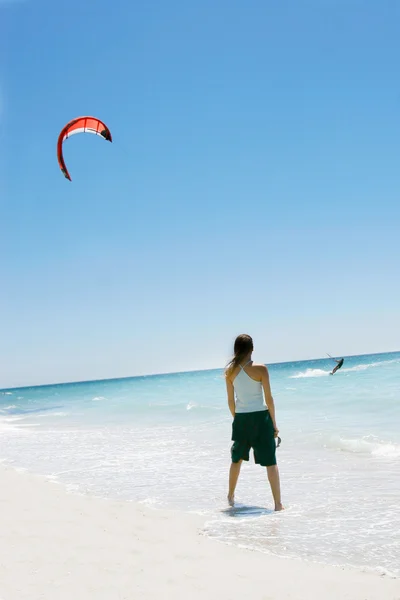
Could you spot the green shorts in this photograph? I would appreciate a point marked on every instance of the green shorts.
(254, 430)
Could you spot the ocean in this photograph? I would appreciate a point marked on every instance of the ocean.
(164, 440)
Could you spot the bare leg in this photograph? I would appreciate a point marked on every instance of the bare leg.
(274, 482)
(233, 478)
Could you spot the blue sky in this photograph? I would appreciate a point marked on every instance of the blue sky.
(252, 184)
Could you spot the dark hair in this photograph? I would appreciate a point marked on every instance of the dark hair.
(242, 348)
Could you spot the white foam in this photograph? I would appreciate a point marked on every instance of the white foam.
(368, 445)
(310, 373)
(51, 415)
(150, 502)
(387, 450)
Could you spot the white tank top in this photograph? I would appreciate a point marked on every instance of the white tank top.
(248, 392)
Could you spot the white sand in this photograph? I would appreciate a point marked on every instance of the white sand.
(57, 546)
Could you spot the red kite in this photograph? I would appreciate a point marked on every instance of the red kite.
(80, 125)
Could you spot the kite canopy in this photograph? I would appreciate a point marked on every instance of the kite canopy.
(80, 125)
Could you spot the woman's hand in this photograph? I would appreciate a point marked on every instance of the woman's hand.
(276, 432)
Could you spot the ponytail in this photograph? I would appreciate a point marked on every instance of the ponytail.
(242, 348)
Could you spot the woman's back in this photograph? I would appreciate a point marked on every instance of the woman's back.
(248, 390)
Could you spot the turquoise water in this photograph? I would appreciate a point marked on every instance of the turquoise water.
(164, 440)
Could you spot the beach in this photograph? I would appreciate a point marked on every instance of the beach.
(164, 441)
(54, 544)
(117, 488)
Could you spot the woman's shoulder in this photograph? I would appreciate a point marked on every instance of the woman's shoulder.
(260, 368)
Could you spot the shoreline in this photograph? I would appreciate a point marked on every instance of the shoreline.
(56, 544)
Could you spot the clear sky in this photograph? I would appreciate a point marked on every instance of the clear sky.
(252, 184)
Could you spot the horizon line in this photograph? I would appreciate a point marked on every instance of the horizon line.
(125, 377)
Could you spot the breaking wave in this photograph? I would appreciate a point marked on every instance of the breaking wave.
(367, 445)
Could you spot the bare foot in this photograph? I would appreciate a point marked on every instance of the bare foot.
(231, 499)
(279, 507)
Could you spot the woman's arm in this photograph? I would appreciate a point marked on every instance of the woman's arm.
(268, 396)
(231, 396)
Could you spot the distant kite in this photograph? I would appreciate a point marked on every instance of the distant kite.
(80, 125)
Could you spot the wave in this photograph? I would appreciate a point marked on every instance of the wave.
(310, 373)
(323, 373)
(17, 410)
(5, 420)
(51, 415)
(367, 445)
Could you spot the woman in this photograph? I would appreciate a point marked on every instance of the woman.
(254, 425)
